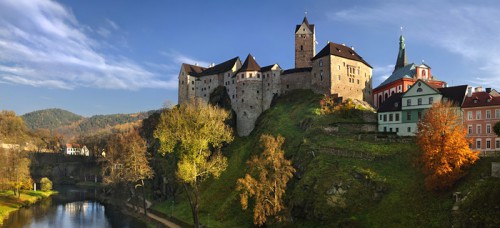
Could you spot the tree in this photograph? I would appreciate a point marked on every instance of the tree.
(196, 132)
(445, 151)
(126, 162)
(17, 171)
(46, 184)
(266, 182)
(496, 128)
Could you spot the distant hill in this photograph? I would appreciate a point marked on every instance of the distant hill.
(70, 125)
(50, 118)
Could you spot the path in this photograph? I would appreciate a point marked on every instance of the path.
(159, 219)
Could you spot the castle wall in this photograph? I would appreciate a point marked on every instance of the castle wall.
(183, 87)
(345, 77)
(321, 74)
(249, 104)
(292, 81)
(270, 86)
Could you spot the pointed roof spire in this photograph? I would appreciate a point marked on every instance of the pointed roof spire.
(250, 64)
(305, 19)
(402, 60)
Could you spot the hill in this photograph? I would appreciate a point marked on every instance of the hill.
(50, 118)
(70, 125)
(345, 178)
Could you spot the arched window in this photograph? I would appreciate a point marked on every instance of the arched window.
(386, 96)
(424, 73)
(379, 100)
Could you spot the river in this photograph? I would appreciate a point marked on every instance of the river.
(72, 207)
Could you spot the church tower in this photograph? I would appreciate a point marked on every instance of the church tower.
(305, 44)
(401, 61)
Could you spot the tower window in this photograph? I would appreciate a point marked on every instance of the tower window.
(320, 62)
(301, 47)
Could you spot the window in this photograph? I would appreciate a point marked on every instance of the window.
(408, 116)
(469, 129)
(488, 128)
(182, 82)
(419, 101)
(390, 129)
(257, 92)
(431, 100)
(488, 144)
(419, 114)
(390, 117)
(242, 100)
(397, 117)
(385, 129)
(339, 77)
(497, 144)
(242, 76)
(233, 81)
(192, 88)
(380, 116)
(287, 86)
(408, 102)
(478, 115)
(397, 129)
(478, 129)
(258, 75)
(488, 114)
(385, 117)
(192, 82)
(320, 62)
(251, 75)
(358, 81)
(497, 113)
(409, 129)
(478, 144)
(301, 47)
(469, 115)
(419, 90)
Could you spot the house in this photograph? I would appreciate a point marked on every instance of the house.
(401, 112)
(481, 112)
(403, 77)
(76, 149)
(336, 70)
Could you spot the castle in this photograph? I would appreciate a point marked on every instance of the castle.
(335, 70)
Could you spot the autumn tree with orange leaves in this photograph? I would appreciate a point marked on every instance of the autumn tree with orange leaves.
(445, 152)
(266, 182)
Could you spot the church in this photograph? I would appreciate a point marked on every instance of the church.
(336, 70)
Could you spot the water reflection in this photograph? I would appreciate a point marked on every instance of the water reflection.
(71, 208)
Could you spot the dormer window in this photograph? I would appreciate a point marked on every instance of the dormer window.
(396, 104)
(488, 100)
(475, 100)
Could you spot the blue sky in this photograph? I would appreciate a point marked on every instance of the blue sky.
(102, 56)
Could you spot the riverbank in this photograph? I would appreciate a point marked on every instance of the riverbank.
(10, 203)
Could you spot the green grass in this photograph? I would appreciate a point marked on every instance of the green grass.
(10, 203)
(386, 191)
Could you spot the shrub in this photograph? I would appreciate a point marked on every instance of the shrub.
(46, 184)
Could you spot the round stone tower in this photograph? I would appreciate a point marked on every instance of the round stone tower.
(249, 96)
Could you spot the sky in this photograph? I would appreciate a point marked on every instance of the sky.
(106, 56)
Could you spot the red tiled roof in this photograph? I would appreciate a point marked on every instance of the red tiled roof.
(480, 99)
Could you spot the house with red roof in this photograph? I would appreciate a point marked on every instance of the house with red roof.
(481, 112)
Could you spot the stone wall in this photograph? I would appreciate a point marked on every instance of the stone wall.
(350, 79)
(300, 80)
(249, 102)
(305, 46)
(271, 86)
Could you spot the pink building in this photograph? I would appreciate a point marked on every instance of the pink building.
(481, 111)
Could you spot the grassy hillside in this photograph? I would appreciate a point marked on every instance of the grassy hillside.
(50, 118)
(343, 179)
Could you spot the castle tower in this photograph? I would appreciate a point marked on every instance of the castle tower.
(305, 44)
(249, 94)
(402, 60)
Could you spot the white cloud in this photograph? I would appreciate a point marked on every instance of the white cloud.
(178, 59)
(469, 29)
(43, 45)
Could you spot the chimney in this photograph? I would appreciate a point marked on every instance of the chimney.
(352, 48)
(488, 90)
(479, 89)
(469, 91)
(343, 44)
